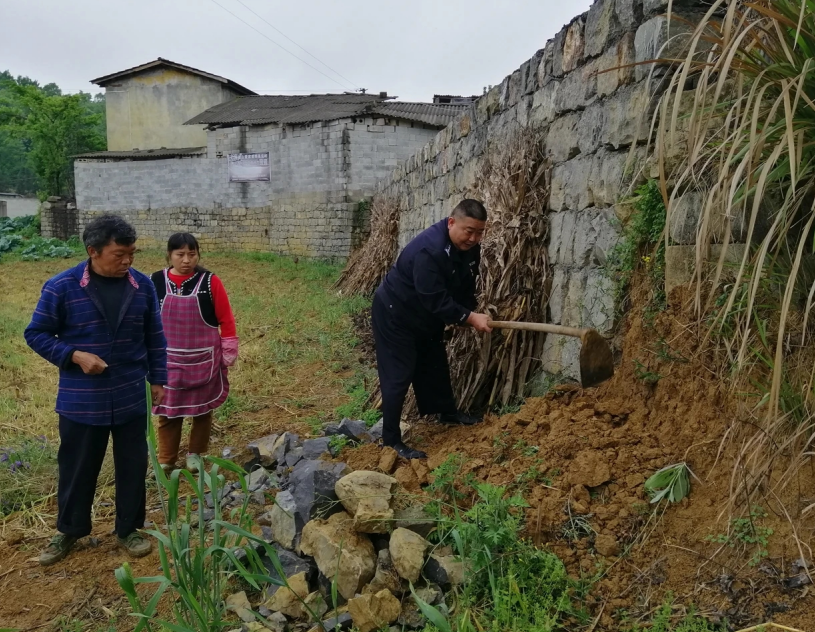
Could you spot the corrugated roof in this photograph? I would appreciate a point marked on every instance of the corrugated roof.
(102, 81)
(144, 154)
(291, 110)
(437, 114)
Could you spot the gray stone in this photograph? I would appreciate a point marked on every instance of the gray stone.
(543, 105)
(598, 304)
(284, 522)
(312, 485)
(629, 13)
(602, 27)
(593, 123)
(276, 621)
(414, 518)
(656, 39)
(315, 448)
(291, 565)
(294, 456)
(570, 185)
(262, 449)
(340, 622)
(285, 443)
(578, 89)
(376, 430)
(386, 577)
(608, 176)
(562, 140)
(573, 46)
(684, 218)
(257, 477)
(628, 117)
(356, 430)
(560, 356)
(557, 52)
(446, 571)
(614, 66)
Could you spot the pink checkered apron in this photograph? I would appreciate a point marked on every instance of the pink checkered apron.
(196, 375)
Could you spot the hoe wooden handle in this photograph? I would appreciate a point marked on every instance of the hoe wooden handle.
(543, 327)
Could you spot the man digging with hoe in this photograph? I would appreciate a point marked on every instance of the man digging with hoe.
(431, 285)
(99, 324)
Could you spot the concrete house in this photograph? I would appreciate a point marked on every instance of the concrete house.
(148, 105)
(275, 173)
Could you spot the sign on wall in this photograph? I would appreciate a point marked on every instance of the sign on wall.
(250, 168)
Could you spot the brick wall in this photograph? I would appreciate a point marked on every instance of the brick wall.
(320, 172)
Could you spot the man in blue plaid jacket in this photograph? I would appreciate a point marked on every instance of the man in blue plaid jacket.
(99, 323)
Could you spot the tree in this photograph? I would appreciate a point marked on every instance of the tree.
(56, 126)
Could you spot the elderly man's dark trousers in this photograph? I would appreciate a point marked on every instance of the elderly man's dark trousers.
(81, 453)
(404, 357)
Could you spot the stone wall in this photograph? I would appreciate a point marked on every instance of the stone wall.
(320, 172)
(596, 115)
(59, 218)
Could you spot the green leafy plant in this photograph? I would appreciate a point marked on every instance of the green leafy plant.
(671, 482)
(641, 247)
(747, 532)
(337, 443)
(641, 372)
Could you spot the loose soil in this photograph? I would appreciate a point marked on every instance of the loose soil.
(597, 447)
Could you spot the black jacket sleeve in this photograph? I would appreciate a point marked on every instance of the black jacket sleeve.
(428, 279)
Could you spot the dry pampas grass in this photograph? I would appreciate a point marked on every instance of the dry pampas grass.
(368, 266)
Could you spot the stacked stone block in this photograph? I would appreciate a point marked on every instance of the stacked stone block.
(596, 111)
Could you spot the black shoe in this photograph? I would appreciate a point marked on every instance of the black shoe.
(459, 419)
(407, 452)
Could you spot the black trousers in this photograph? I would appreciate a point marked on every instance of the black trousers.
(404, 357)
(81, 453)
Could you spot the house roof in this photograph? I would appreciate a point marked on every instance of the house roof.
(102, 81)
(144, 154)
(260, 110)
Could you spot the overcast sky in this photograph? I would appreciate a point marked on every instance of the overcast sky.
(412, 49)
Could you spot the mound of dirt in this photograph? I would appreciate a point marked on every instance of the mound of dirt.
(580, 457)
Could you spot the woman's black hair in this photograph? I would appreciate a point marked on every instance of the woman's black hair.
(179, 240)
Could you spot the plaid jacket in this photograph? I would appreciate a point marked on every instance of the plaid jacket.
(70, 317)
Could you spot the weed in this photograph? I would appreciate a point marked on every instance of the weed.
(315, 424)
(27, 472)
(500, 444)
(641, 372)
(510, 408)
(360, 396)
(664, 352)
(641, 247)
(577, 527)
(337, 443)
(525, 449)
(664, 618)
(533, 475)
(747, 533)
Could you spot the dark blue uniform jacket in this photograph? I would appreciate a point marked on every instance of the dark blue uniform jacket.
(432, 284)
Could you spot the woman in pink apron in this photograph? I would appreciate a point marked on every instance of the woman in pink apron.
(194, 305)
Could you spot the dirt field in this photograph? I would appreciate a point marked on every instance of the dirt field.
(297, 364)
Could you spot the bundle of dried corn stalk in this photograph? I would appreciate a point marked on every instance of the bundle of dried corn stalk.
(368, 266)
(514, 281)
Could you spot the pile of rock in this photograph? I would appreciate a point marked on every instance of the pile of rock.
(332, 525)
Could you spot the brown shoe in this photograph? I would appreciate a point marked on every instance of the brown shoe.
(136, 545)
(57, 549)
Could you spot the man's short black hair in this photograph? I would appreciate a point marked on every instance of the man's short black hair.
(106, 228)
(470, 208)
